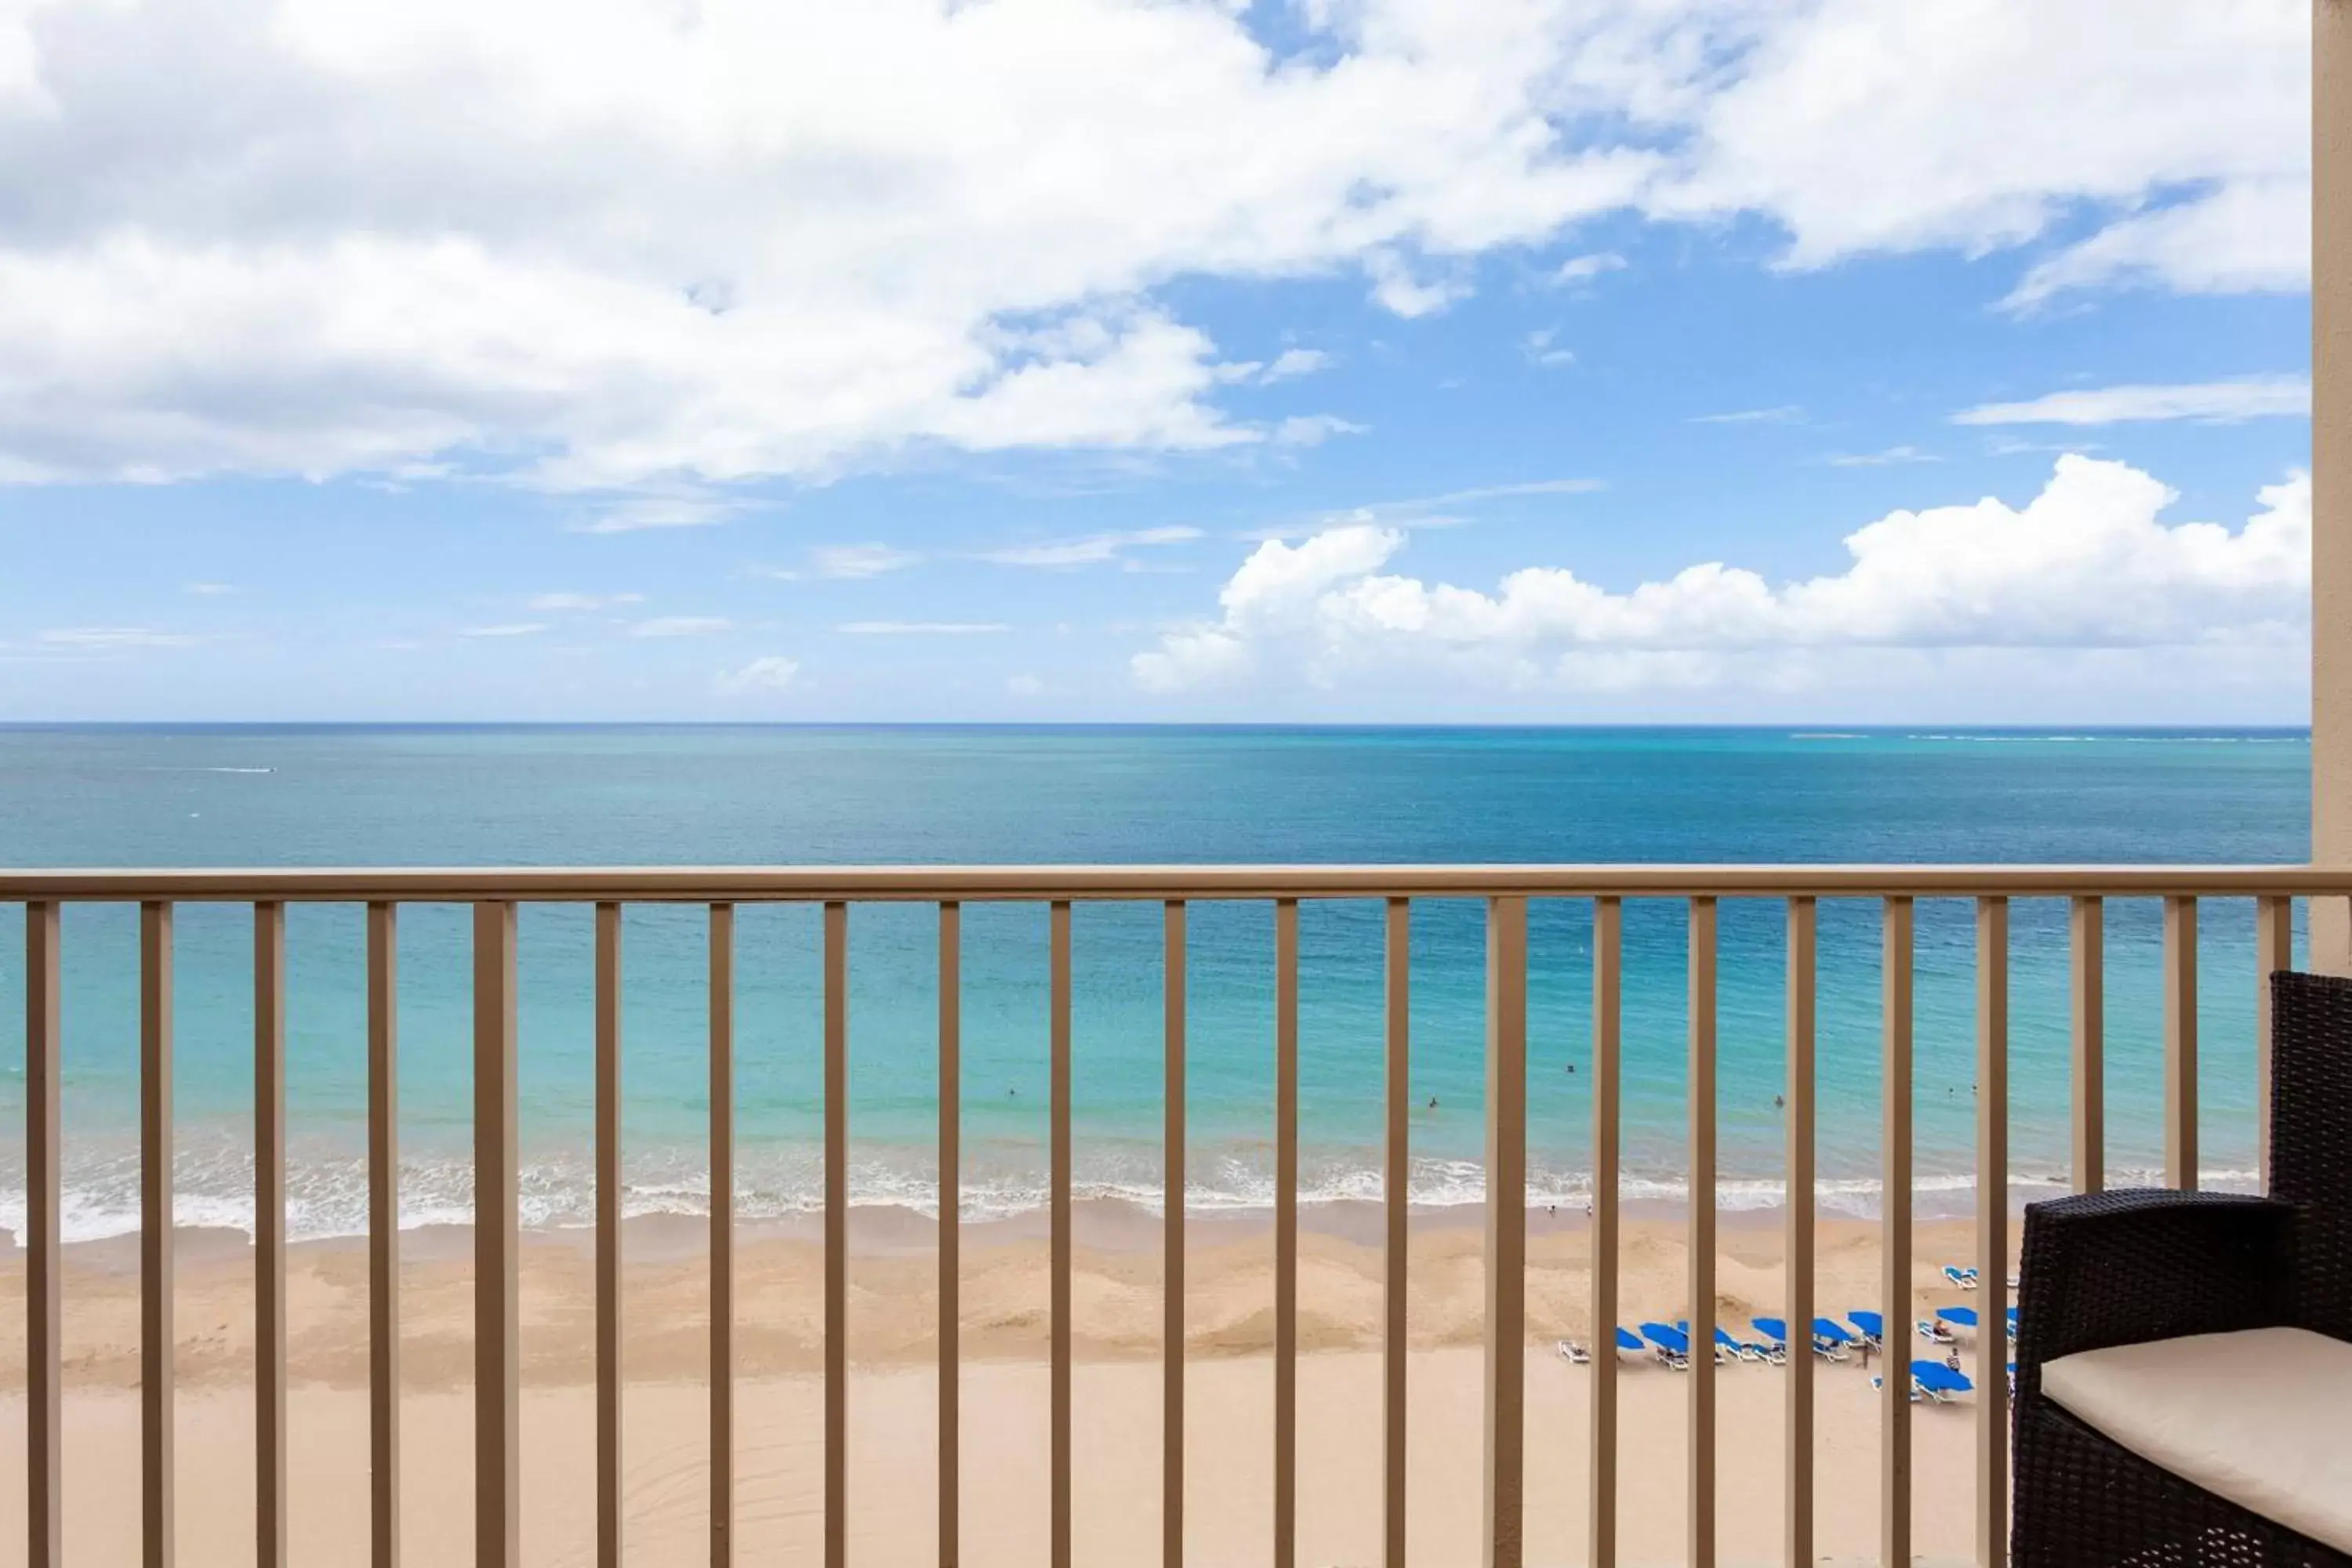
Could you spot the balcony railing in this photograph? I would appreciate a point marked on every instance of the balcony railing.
(495, 893)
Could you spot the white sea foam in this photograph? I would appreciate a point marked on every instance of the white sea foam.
(327, 1194)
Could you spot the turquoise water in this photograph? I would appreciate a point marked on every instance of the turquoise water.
(334, 796)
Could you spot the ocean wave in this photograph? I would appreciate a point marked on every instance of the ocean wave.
(327, 1197)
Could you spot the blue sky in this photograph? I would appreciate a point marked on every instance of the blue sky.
(1049, 361)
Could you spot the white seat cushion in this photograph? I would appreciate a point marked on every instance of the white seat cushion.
(2260, 1417)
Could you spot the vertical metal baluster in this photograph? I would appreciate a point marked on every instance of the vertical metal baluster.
(1506, 1229)
(1172, 1238)
(1286, 1233)
(1702, 1232)
(44, 1301)
(1607, 1024)
(722, 1235)
(1396, 1206)
(836, 1234)
(155, 1327)
(1992, 1231)
(2086, 934)
(497, 1432)
(2273, 951)
(608, 1236)
(951, 1363)
(2180, 1043)
(1803, 972)
(269, 1235)
(1058, 1215)
(384, 1237)
(1895, 1238)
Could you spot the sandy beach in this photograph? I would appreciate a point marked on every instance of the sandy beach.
(1117, 1299)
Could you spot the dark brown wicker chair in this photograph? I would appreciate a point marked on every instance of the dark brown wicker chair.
(2126, 1267)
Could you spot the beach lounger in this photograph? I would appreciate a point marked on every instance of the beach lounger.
(1934, 1332)
(1939, 1383)
(1830, 1339)
(1776, 1339)
(1965, 1279)
(1672, 1345)
(1727, 1349)
(1573, 1353)
(1873, 1327)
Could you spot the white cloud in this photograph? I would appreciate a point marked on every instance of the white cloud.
(769, 672)
(557, 602)
(637, 514)
(1977, 125)
(1585, 269)
(1397, 290)
(2249, 236)
(1420, 513)
(922, 628)
(1314, 429)
(113, 639)
(505, 629)
(2213, 403)
(680, 627)
(727, 241)
(675, 246)
(854, 561)
(1783, 414)
(1890, 456)
(1291, 364)
(1090, 550)
(1540, 349)
(2086, 564)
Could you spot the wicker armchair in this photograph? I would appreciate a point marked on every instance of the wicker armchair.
(2129, 1267)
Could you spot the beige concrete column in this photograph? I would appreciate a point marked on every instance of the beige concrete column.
(2331, 458)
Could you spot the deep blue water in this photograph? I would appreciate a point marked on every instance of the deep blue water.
(259, 797)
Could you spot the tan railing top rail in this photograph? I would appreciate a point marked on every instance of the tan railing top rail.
(754, 884)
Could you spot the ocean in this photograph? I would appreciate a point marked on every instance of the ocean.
(393, 796)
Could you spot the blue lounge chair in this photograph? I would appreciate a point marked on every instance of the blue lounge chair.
(1726, 1347)
(1873, 1327)
(1830, 1339)
(1672, 1345)
(1939, 1381)
(2012, 1323)
(1966, 1278)
(1776, 1339)
(1934, 1332)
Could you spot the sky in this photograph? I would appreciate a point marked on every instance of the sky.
(1155, 361)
